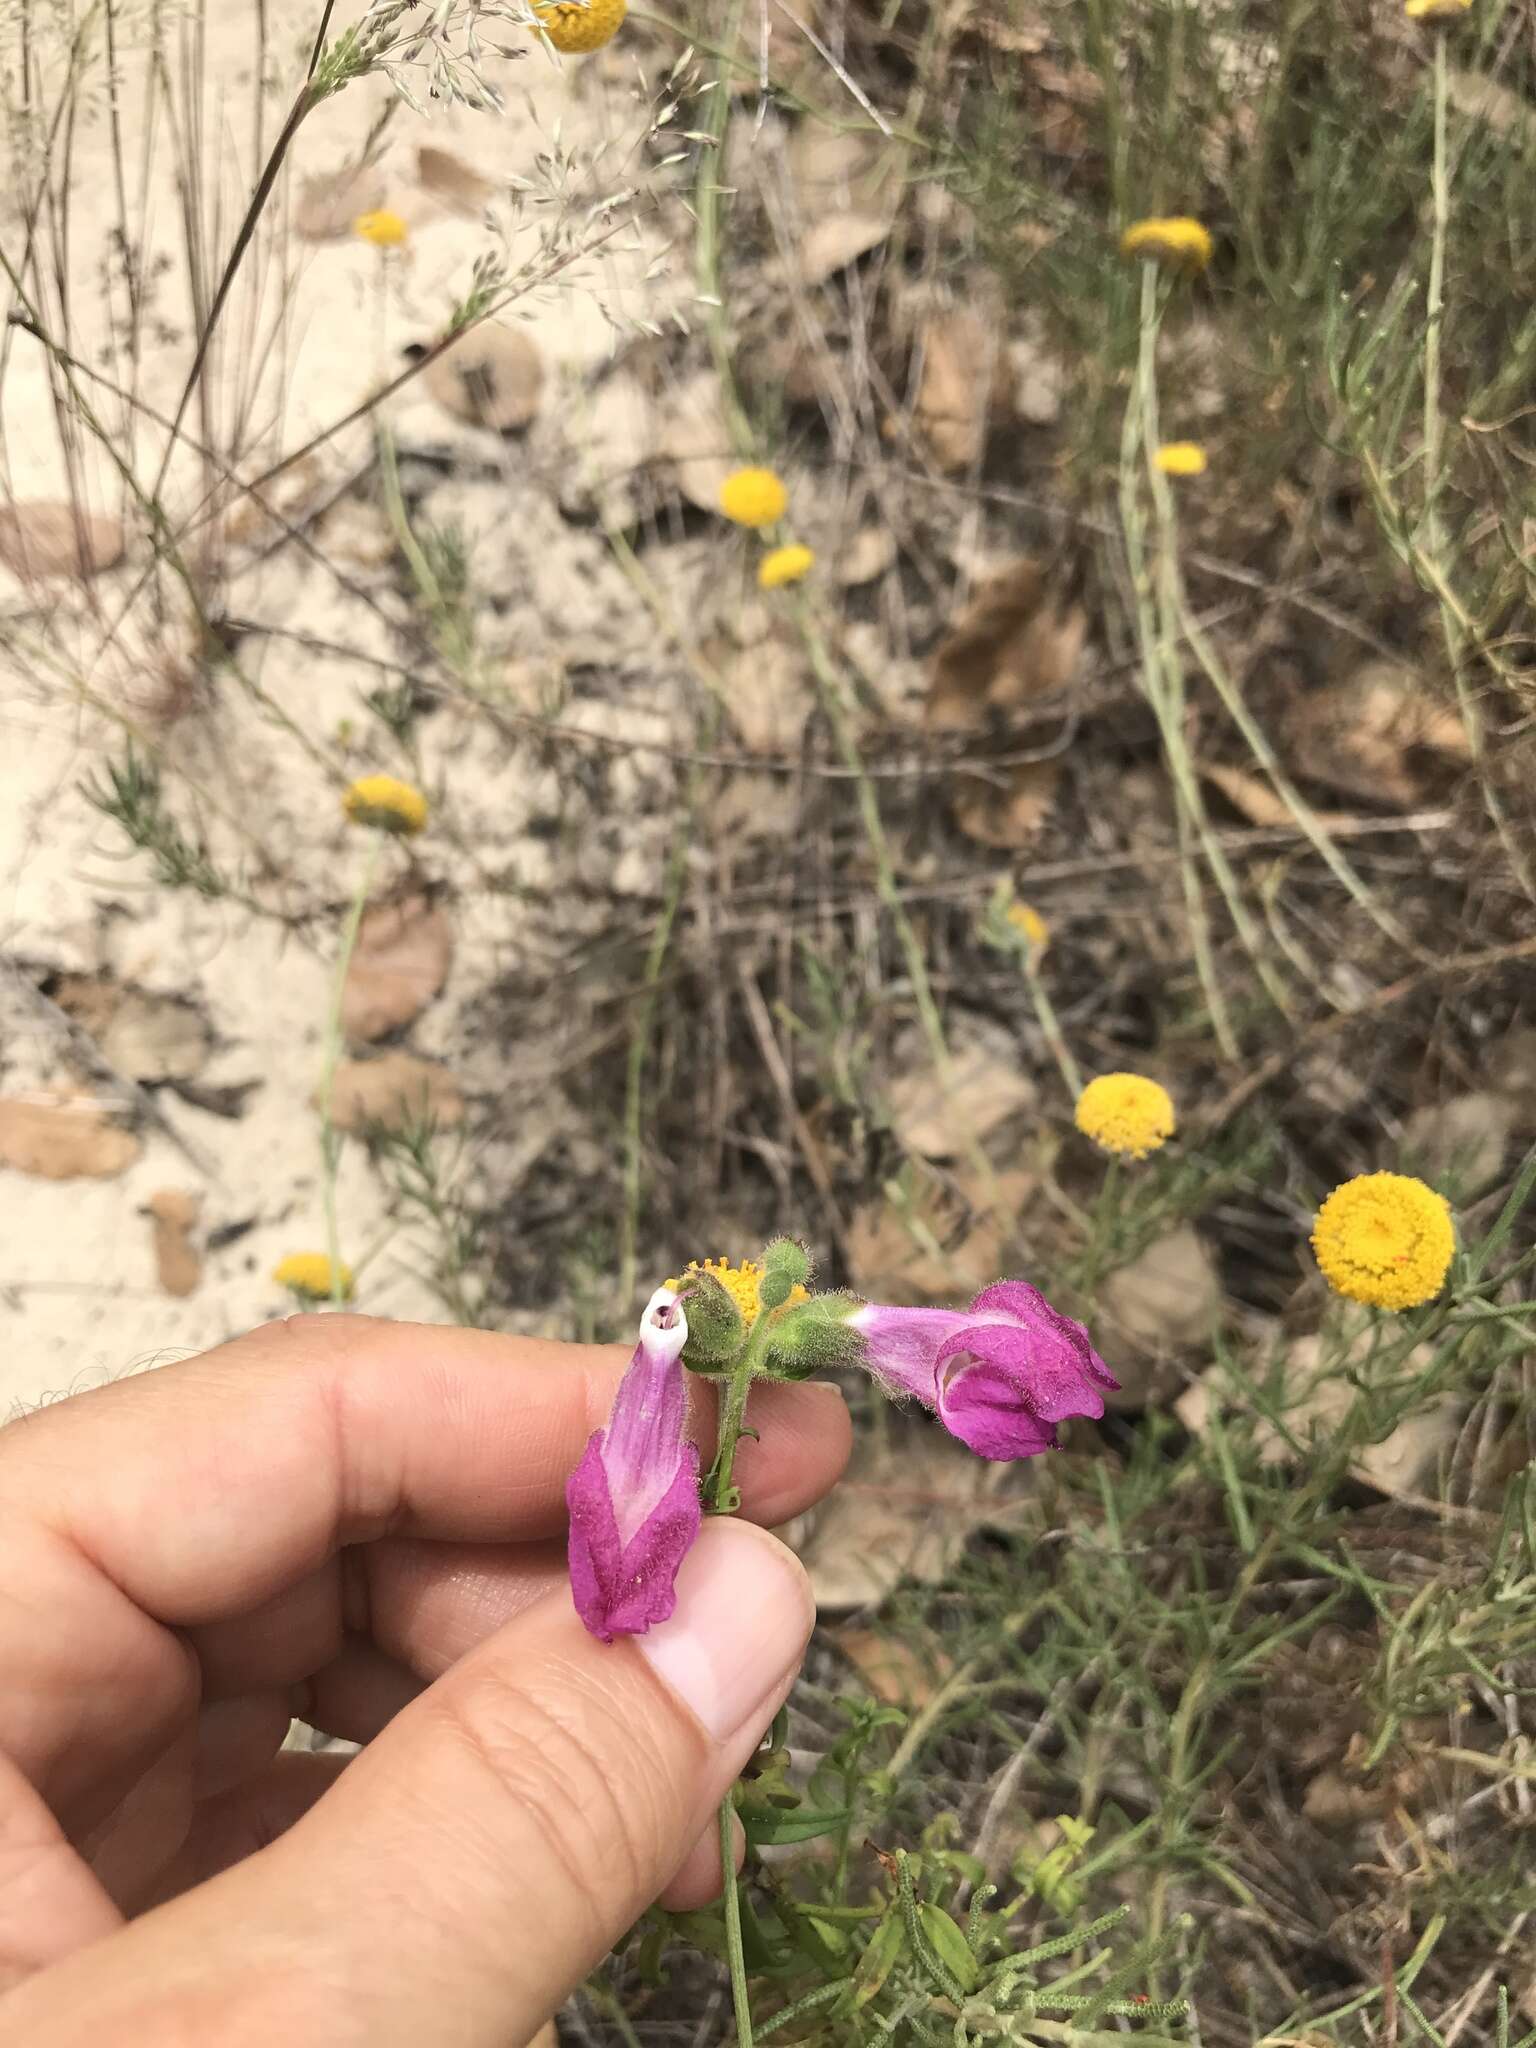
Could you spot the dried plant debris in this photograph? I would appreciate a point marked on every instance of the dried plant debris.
(41, 538)
(458, 185)
(844, 190)
(403, 953)
(173, 1215)
(962, 379)
(492, 376)
(329, 202)
(145, 1036)
(1376, 735)
(64, 1135)
(395, 1091)
(940, 1113)
(1015, 643)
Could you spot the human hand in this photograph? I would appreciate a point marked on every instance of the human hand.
(358, 1523)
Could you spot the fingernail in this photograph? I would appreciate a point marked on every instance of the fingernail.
(743, 1618)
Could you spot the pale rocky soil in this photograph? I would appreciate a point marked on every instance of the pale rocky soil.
(78, 1275)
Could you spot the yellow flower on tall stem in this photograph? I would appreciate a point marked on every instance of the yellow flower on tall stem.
(1385, 1239)
(313, 1276)
(577, 30)
(1178, 241)
(753, 497)
(1181, 458)
(784, 565)
(384, 229)
(1126, 1114)
(388, 803)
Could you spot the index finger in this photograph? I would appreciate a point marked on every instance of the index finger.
(205, 1487)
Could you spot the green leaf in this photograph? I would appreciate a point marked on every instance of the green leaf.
(949, 1945)
(773, 1825)
(879, 1958)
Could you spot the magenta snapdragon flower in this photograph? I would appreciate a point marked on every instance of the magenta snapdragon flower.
(999, 1375)
(634, 1497)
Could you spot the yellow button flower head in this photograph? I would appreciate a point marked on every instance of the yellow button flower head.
(1435, 10)
(1027, 920)
(1386, 1239)
(742, 1283)
(784, 565)
(1181, 458)
(574, 30)
(383, 801)
(753, 497)
(384, 229)
(1178, 241)
(1126, 1114)
(309, 1274)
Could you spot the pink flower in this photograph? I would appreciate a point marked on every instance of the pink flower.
(1000, 1375)
(634, 1497)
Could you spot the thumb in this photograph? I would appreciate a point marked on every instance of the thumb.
(482, 1854)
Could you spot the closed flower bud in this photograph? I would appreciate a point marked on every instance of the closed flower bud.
(717, 1328)
(785, 1255)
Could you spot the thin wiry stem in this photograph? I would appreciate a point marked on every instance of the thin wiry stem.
(330, 1142)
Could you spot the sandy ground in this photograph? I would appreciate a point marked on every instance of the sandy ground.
(77, 1274)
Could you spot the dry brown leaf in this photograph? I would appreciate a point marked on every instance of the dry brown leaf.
(974, 1226)
(1013, 643)
(1360, 735)
(43, 538)
(148, 1037)
(905, 1510)
(1165, 1301)
(395, 1090)
(64, 1137)
(870, 552)
(1482, 98)
(693, 439)
(1511, 1069)
(770, 697)
(957, 391)
(893, 1668)
(1009, 811)
(402, 957)
(173, 1214)
(286, 502)
(938, 1116)
(844, 191)
(449, 179)
(330, 201)
(1461, 1142)
(1258, 800)
(1021, 31)
(493, 376)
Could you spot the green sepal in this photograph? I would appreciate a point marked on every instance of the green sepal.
(716, 1327)
(812, 1337)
